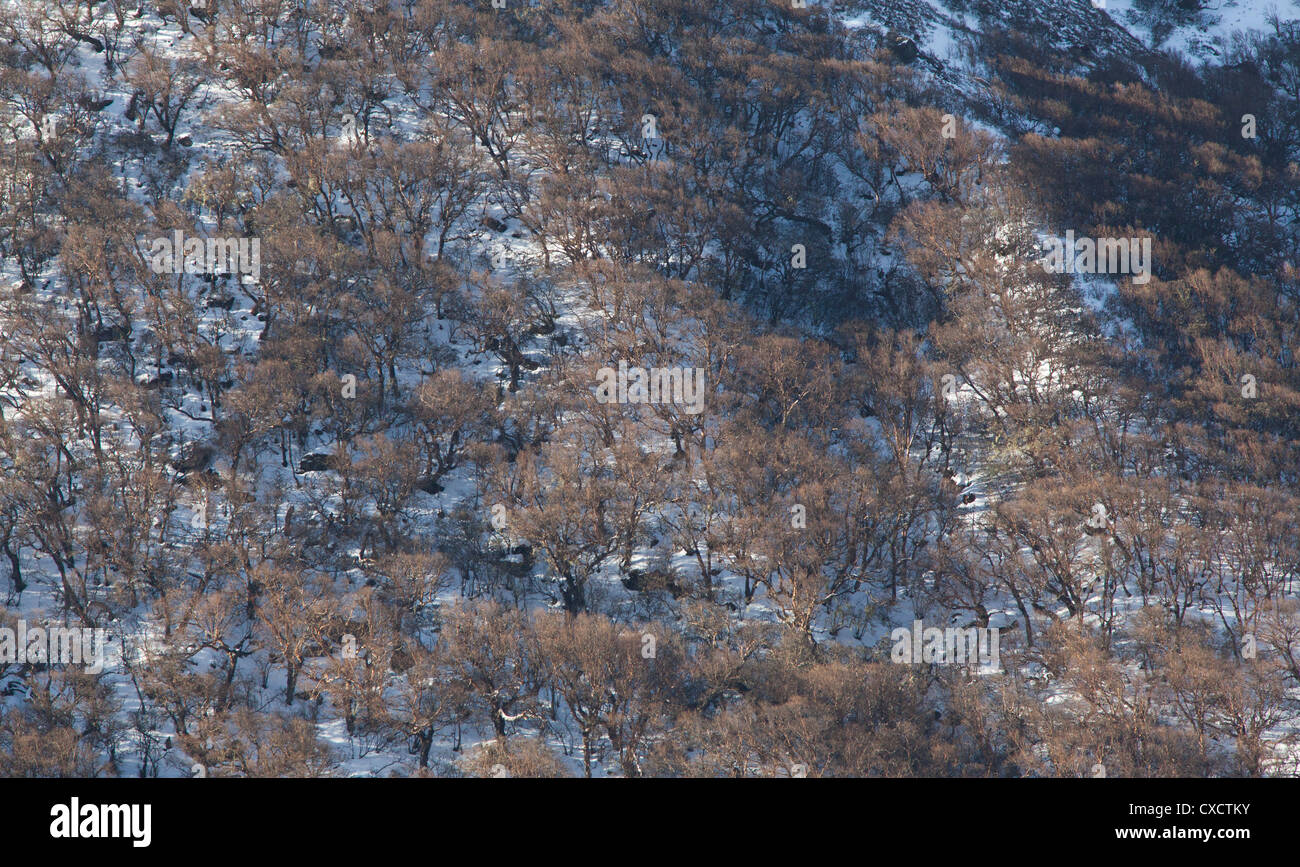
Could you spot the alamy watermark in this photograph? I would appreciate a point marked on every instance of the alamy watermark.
(950, 646)
(181, 255)
(1100, 256)
(53, 645)
(658, 385)
(98, 821)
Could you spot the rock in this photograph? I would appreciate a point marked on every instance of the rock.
(193, 456)
(90, 103)
(641, 581)
(112, 332)
(208, 477)
(902, 46)
(315, 463)
(494, 224)
(400, 659)
(156, 382)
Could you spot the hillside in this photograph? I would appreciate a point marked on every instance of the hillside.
(647, 388)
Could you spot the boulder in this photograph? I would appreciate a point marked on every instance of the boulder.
(902, 47)
(192, 456)
(315, 463)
